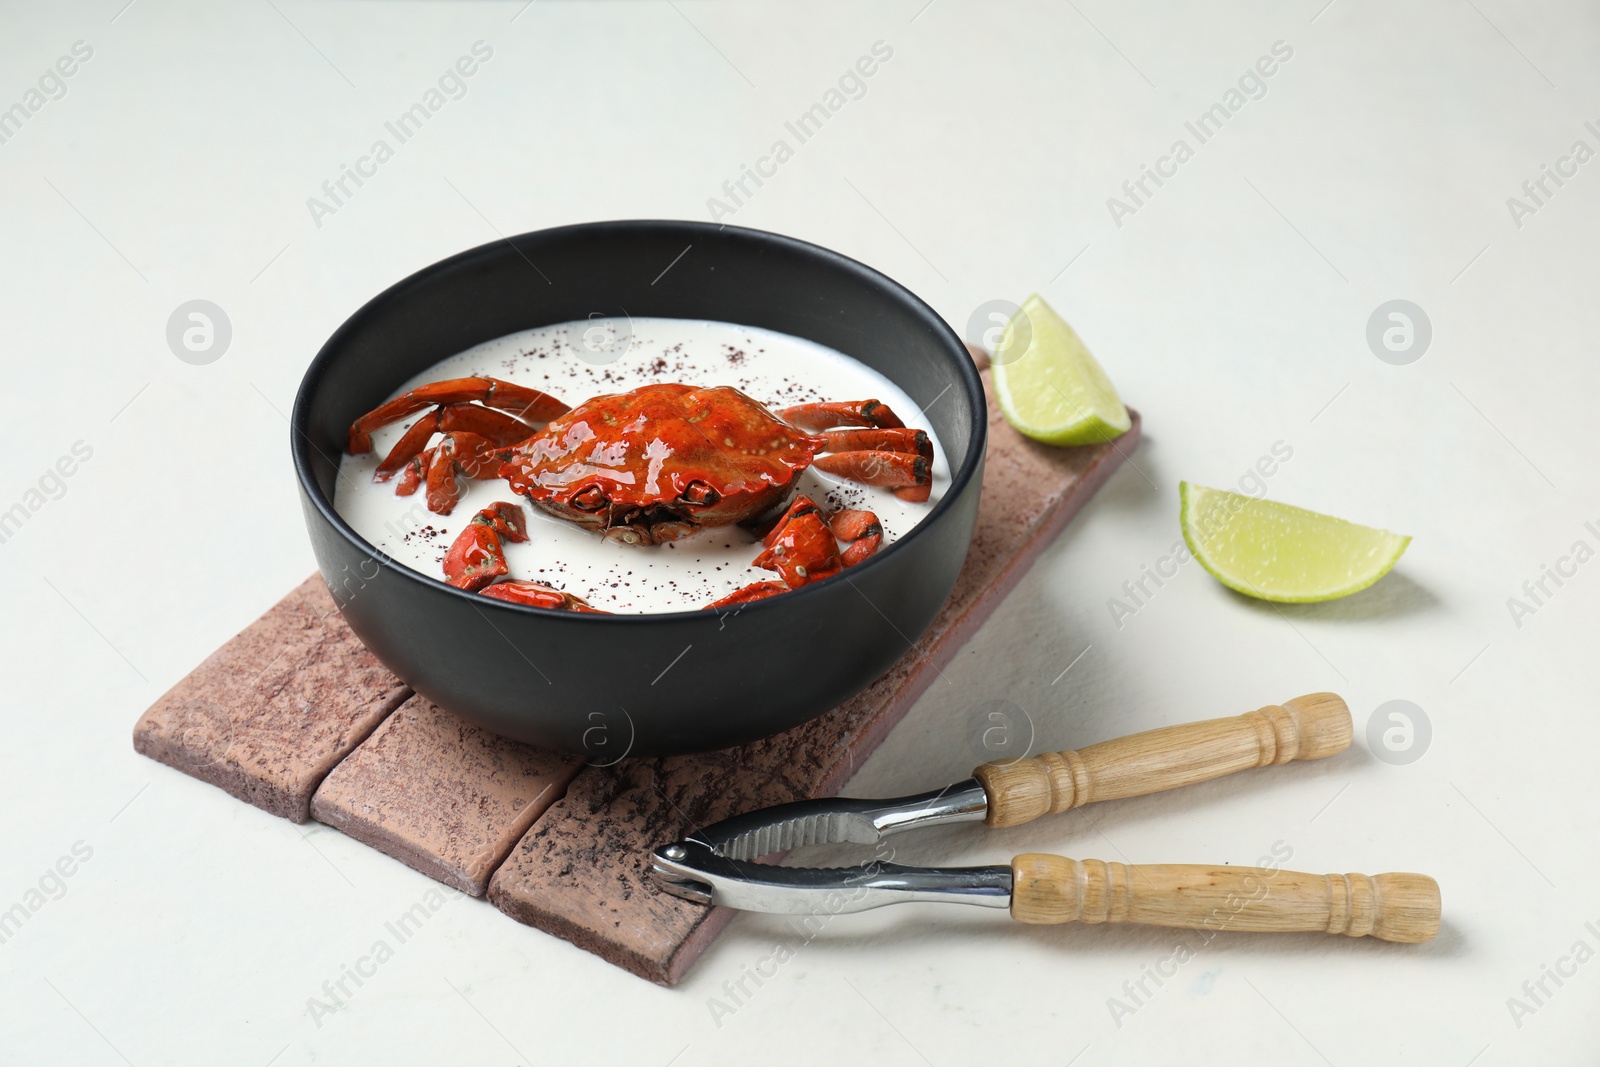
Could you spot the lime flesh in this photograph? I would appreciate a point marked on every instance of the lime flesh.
(1049, 385)
(1279, 552)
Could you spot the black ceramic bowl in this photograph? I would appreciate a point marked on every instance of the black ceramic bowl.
(610, 685)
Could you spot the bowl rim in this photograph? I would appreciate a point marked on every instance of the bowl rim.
(301, 445)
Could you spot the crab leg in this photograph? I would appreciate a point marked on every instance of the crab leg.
(899, 439)
(534, 595)
(884, 454)
(414, 473)
(468, 423)
(464, 453)
(814, 417)
(911, 477)
(455, 451)
(412, 443)
(529, 405)
(476, 557)
(497, 426)
(745, 594)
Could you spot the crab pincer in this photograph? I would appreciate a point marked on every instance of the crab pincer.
(800, 547)
(862, 531)
(477, 557)
(803, 547)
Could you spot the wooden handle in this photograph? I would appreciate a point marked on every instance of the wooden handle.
(1392, 907)
(1308, 727)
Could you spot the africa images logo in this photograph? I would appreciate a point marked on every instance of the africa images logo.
(451, 85)
(1252, 85)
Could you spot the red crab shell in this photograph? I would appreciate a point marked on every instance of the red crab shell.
(659, 462)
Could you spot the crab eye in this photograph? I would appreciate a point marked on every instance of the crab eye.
(591, 499)
(699, 494)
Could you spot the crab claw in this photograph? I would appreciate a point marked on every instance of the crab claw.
(477, 557)
(862, 529)
(801, 548)
(804, 547)
(534, 595)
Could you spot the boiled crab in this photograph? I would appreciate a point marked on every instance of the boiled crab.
(646, 466)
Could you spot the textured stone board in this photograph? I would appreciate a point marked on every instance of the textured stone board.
(271, 712)
(440, 794)
(580, 871)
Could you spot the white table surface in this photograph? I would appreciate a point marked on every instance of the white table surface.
(1230, 308)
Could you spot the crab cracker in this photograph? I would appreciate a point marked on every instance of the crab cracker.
(717, 865)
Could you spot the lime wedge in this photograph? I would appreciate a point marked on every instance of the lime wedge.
(1049, 386)
(1277, 552)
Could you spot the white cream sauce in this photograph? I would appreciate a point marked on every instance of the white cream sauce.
(578, 360)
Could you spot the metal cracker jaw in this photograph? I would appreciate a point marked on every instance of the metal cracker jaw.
(718, 865)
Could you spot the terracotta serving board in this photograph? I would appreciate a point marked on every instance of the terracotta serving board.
(295, 716)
